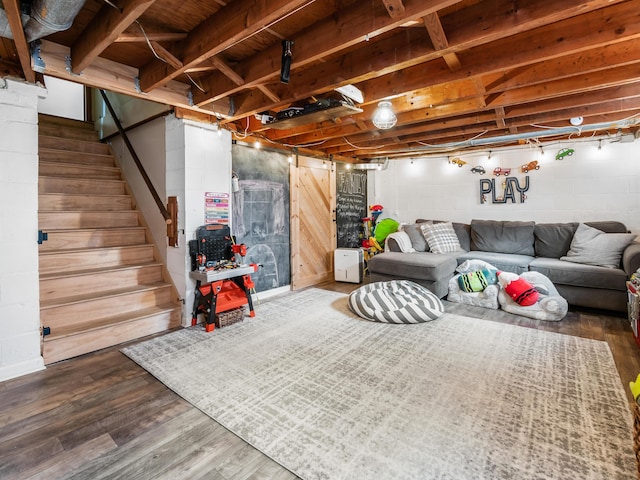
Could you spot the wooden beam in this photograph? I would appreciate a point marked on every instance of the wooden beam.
(439, 39)
(268, 93)
(395, 8)
(377, 64)
(337, 32)
(105, 27)
(228, 26)
(166, 55)
(500, 123)
(12, 9)
(116, 77)
(128, 37)
(226, 70)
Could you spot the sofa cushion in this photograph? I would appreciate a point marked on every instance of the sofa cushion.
(418, 241)
(595, 247)
(552, 240)
(502, 261)
(609, 227)
(422, 266)
(441, 237)
(580, 275)
(502, 236)
(399, 242)
(463, 231)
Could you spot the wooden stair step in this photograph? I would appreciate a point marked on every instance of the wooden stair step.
(81, 339)
(73, 145)
(55, 155)
(80, 185)
(87, 219)
(69, 123)
(73, 170)
(93, 238)
(65, 131)
(50, 202)
(92, 258)
(82, 309)
(59, 286)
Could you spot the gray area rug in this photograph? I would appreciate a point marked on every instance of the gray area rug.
(330, 396)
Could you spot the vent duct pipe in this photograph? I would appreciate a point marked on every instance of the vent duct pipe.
(50, 16)
(552, 132)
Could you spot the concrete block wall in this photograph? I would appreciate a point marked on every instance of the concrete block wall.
(590, 185)
(19, 293)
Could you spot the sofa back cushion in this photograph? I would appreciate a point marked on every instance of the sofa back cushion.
(609, 227)
(416, 236)
(552, 240)
(463, 231)
(502, 236)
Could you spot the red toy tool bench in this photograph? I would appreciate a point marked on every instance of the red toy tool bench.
(223, 283)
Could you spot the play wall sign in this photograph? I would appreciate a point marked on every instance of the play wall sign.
(511, 190)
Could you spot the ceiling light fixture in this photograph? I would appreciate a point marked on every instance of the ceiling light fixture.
(383, 117)
(575, 121)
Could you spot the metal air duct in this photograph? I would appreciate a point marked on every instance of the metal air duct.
(50, 16)
(5, 29)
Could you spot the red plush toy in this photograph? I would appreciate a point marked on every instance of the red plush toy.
(521, 291)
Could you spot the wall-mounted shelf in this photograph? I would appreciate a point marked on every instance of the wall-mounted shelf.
(330, 113)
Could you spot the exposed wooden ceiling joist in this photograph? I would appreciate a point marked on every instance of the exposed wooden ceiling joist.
(452, 69)
(12, 9)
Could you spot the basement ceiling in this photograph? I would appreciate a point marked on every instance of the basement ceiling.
(459, 74)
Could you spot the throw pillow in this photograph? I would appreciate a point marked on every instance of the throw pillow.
(521, 291)
(477, 281)
(402, 241)
(441, 237)
(417, 237)
(591, 246)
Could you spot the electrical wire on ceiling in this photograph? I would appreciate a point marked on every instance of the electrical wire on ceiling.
(462, 142)
(363, 148)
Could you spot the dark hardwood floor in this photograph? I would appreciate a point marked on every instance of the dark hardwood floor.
(101, 416)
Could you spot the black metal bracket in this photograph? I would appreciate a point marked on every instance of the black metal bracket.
(42, 237)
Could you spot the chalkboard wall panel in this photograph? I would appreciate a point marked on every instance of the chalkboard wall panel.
(351, 206)
(260, 213)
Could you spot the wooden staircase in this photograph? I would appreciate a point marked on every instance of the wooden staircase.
(100, 279)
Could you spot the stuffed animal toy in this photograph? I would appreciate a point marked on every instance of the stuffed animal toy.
(477, 281)
(521, 291)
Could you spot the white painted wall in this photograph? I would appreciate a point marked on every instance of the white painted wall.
(19, 293)
(64, 99)
(590, 185)
(207, 164)
(183, 159)
(130, 110)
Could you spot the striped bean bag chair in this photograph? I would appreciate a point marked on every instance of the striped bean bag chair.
(397, 301)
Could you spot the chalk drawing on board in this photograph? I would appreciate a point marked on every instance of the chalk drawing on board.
(259, 209)
(351, 207)
(267, 275)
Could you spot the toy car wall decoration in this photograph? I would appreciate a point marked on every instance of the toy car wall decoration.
(457, 161)
(501, 171)
(565, 152)
(533, 165)
(478, 169)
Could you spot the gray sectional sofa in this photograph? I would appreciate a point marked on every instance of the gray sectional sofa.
(519, 247)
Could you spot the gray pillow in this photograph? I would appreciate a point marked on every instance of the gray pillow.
(591, 246)
(416, 236)
(553, 239)
(502, 236)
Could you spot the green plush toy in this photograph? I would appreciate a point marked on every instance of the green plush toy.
(384, 228)
(477, 281)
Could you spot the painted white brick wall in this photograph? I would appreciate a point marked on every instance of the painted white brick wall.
(207, 168)
(19, 293)
(590, 185)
